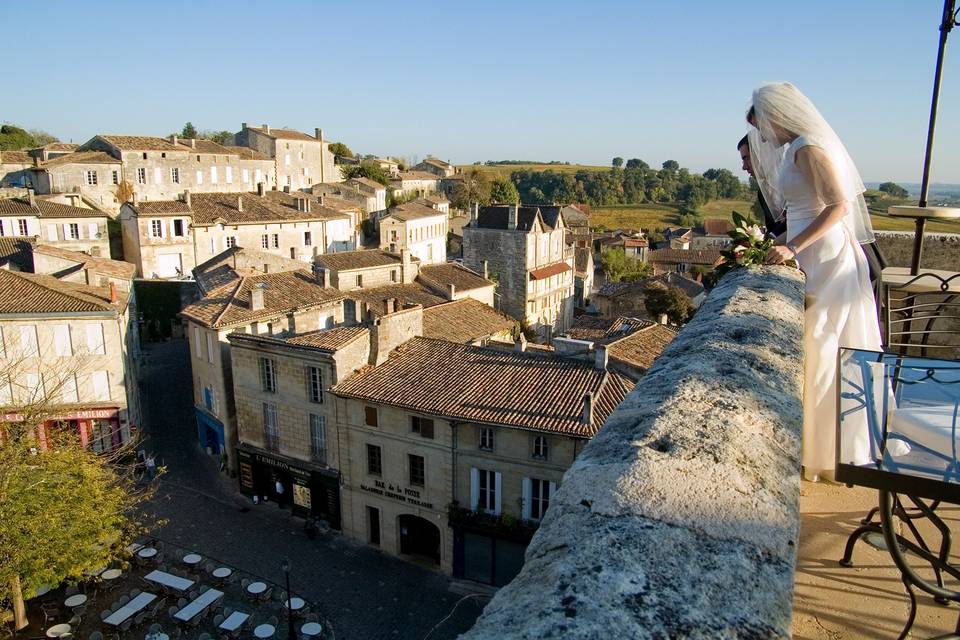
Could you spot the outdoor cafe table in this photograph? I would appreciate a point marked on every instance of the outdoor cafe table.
(169, 580)
(264, 631)
(200, 603)
(147, 552)
(192, 559)
(311, 629)
(111, 574)
(75, 600)
(222, 572)
(234, 620)
(256, 588)
(58, 630)
(294, 603)
(133, 607)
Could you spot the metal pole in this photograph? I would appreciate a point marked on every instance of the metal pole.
(946, 24)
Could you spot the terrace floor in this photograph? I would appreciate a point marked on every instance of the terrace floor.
(867, 600)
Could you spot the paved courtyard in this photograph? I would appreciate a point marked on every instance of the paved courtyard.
(364, 593)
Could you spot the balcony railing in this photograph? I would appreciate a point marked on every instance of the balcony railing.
(681, 517)
(271, 441)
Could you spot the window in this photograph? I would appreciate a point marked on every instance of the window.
(276, 241)
(157, 179)
(61, 340)
(178, 228)
(245, 176)
(258, 175)
(156, 228)
(33, 387)
(315, 375)
(210, 399)
(423, 426)
(228, 174)
(359, 280)
(230, 241)
(265, 241)
(93, 230)
(91, 178)
(175, 175)
(486, 438)
(68, 388)
(211, 349)
(286, 162)
(536, 497)
(115, 177)
(417, 470)
(373, 525)
(199, 176)
(270, 434)
(485, 490)
(268, 375)
(318, 438)
(374, 460)
(370, 416)
(101, 385)
(540, 448)
(73, 231)
(307, 238)
(1, 229)
(28, 341)
(393, 275)
(94, 336)
(23, 227)
(142, 175)
(213, 175)
(289, 181)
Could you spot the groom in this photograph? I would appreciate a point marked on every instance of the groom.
(872, 252)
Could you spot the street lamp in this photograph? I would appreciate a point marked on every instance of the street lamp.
(285, 565)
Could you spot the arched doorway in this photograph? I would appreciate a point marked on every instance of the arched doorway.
(419, 537)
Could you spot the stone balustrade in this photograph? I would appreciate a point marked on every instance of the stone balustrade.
(681, 518)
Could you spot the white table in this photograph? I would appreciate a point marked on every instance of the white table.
(294, 603)
(222, 572)
(192, 559)
(264, 631)
(133, 547)
(234, 621)
(147, 552)
(169, 580)
(156, 636)
(75, 600)
(199, 604)
(311, 629)
(58, 630)
(130, 609)
(111, 574)
(256, 588)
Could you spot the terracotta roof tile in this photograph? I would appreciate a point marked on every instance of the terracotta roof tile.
(140, 143)
(363, 259)
(15, 157)
(328, 339)
(285, 134)
(707, 257)
(17, 252)
(234, 263)
(441, 275)
(81, 157)
(456, 381)
(103, 266)
(717, 227)
(413, 211)
(464, 321)
(285, 292)
(641, 347)
(367, 182)
(45, 209)
(35, 293)
(203, 146)
(60, 146)
(418, 175)
(406, 294)
(213, 208)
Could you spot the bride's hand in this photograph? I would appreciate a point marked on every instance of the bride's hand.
(778, 254)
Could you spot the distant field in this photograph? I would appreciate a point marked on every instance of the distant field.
(504, 170)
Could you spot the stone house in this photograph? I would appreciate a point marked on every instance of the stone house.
(73, 348)
(53, 150)
(417, 228)
(60, 225)
(79, 267)
(300, 160)
(392, 167)
(438, 202)
(522, 248)
(376, 192)
(682, 260)
(628, 298)
(437, 167)
(15, 169)
(168, 238)
(246, 300)
(715, 235)
(93, 174)
(418, 183)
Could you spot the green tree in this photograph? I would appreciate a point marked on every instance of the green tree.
(659, 300)
(671, 165)
(618, 162)
(41, 137)
(894, 190)
(188, 131)
(503, 191)
(220, 137)
(617, 267)
(474, 187)
(637, 163)
(366, 169)
(340, 149)
(14, 138)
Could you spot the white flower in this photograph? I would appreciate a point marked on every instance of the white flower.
(755, 232)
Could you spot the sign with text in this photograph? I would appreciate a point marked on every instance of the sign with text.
(395, 492)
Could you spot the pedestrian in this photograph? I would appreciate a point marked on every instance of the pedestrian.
(280, 497)
(151, 465)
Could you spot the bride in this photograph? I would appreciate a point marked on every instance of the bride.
(803, 167)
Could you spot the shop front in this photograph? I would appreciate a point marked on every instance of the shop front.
(209, 432)
(310, 489)
(98, 428)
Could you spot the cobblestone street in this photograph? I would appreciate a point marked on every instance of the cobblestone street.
(364, 593)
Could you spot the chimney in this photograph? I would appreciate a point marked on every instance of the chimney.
(321, 199)
(484, 265)
(390, 304)
(243, 125)
(88, 276)
(520, 345)
(451, 291)
(266, 267)
(512, 212)
(36, 160)
(306, 202)
(256, 296)
(286, 188)
(321, 274)
(186, 199)
(600, 361)
(113, 293)
(587, 416)
(663, 318)
(266, 128)
(474, 211)
(31, 198)
(193, 143)
(319, 134)
(240, 204)
(173, 139)
(260, 189)
(135, 198)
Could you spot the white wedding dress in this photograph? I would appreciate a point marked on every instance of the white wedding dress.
(840, 312)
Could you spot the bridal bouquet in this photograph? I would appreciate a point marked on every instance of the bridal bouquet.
(750, 245)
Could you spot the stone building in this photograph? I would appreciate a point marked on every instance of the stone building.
(682, 260)
(437, 167)
(15, 169)
(168, 238)
(71, 348)
(95, 175)
(299, 160)
(522, 248)
(239, 298)
(417, 228)
(60, 225)
(416, 183)
(629, 298)
(375, 192)
(716, 235)
(79, 267)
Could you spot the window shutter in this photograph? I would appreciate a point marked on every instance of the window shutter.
(499, 502)
(93, 229)
(197, 343)
(95, 338)
(66, 232)
(61, 336)
(101, 386)
(527, 496)
(474, 487)
(52, 232)
(210, 347)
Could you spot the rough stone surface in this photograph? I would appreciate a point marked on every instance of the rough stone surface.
(940, 250)
(680, 519)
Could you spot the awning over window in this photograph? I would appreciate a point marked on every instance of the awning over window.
(545, 272)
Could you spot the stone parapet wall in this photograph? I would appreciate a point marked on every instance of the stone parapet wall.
(681, 518)
(940, 250)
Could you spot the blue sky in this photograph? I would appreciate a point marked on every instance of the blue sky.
(576, 81)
